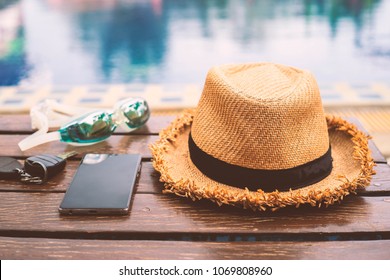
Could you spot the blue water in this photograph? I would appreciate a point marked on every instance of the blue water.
(72, 42)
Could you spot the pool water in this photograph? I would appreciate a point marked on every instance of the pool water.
(73, 42)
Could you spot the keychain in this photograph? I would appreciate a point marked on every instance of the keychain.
(36, 170)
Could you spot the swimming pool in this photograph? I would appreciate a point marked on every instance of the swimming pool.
(73, 42)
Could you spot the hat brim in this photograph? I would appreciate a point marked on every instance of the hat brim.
(352, 169)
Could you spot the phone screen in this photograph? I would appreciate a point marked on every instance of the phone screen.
(103, 184)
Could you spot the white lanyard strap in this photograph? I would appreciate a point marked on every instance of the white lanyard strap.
(46, 115)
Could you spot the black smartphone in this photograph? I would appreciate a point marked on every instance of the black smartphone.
(103, 185)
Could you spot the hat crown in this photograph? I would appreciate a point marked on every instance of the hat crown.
(261, 116)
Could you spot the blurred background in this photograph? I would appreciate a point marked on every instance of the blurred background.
(94, 52)
(73, 42)
(78, 50)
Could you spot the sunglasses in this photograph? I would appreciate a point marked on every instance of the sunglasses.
(90, 128)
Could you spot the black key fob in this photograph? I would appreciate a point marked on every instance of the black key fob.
(44, 166)
(8, 166)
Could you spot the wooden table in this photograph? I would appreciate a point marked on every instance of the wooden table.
(162, 226)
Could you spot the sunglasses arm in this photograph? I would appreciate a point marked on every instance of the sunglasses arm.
(38, 138)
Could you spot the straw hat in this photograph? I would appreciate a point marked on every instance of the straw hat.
(259, 139)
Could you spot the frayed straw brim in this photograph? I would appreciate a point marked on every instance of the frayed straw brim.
(352, 169)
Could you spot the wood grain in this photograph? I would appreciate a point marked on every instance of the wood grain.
(149, 181)
(170, 217)
(380, 184)
(375, 153)
(114, 144)
(21, 124)
(160, 226)
(43, 248)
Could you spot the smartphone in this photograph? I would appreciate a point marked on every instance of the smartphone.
(103, 185)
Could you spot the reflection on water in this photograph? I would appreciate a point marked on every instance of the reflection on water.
(125, 37)
(176, 41)
(13, 65)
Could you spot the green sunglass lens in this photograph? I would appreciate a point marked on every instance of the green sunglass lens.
(136, 111)
(90, 128)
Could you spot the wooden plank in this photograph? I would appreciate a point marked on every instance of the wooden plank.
(65, 249)
(171, 217)
(380, 184)
(114, 144)
(375, 152)
(21, 124)
(149, 181)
